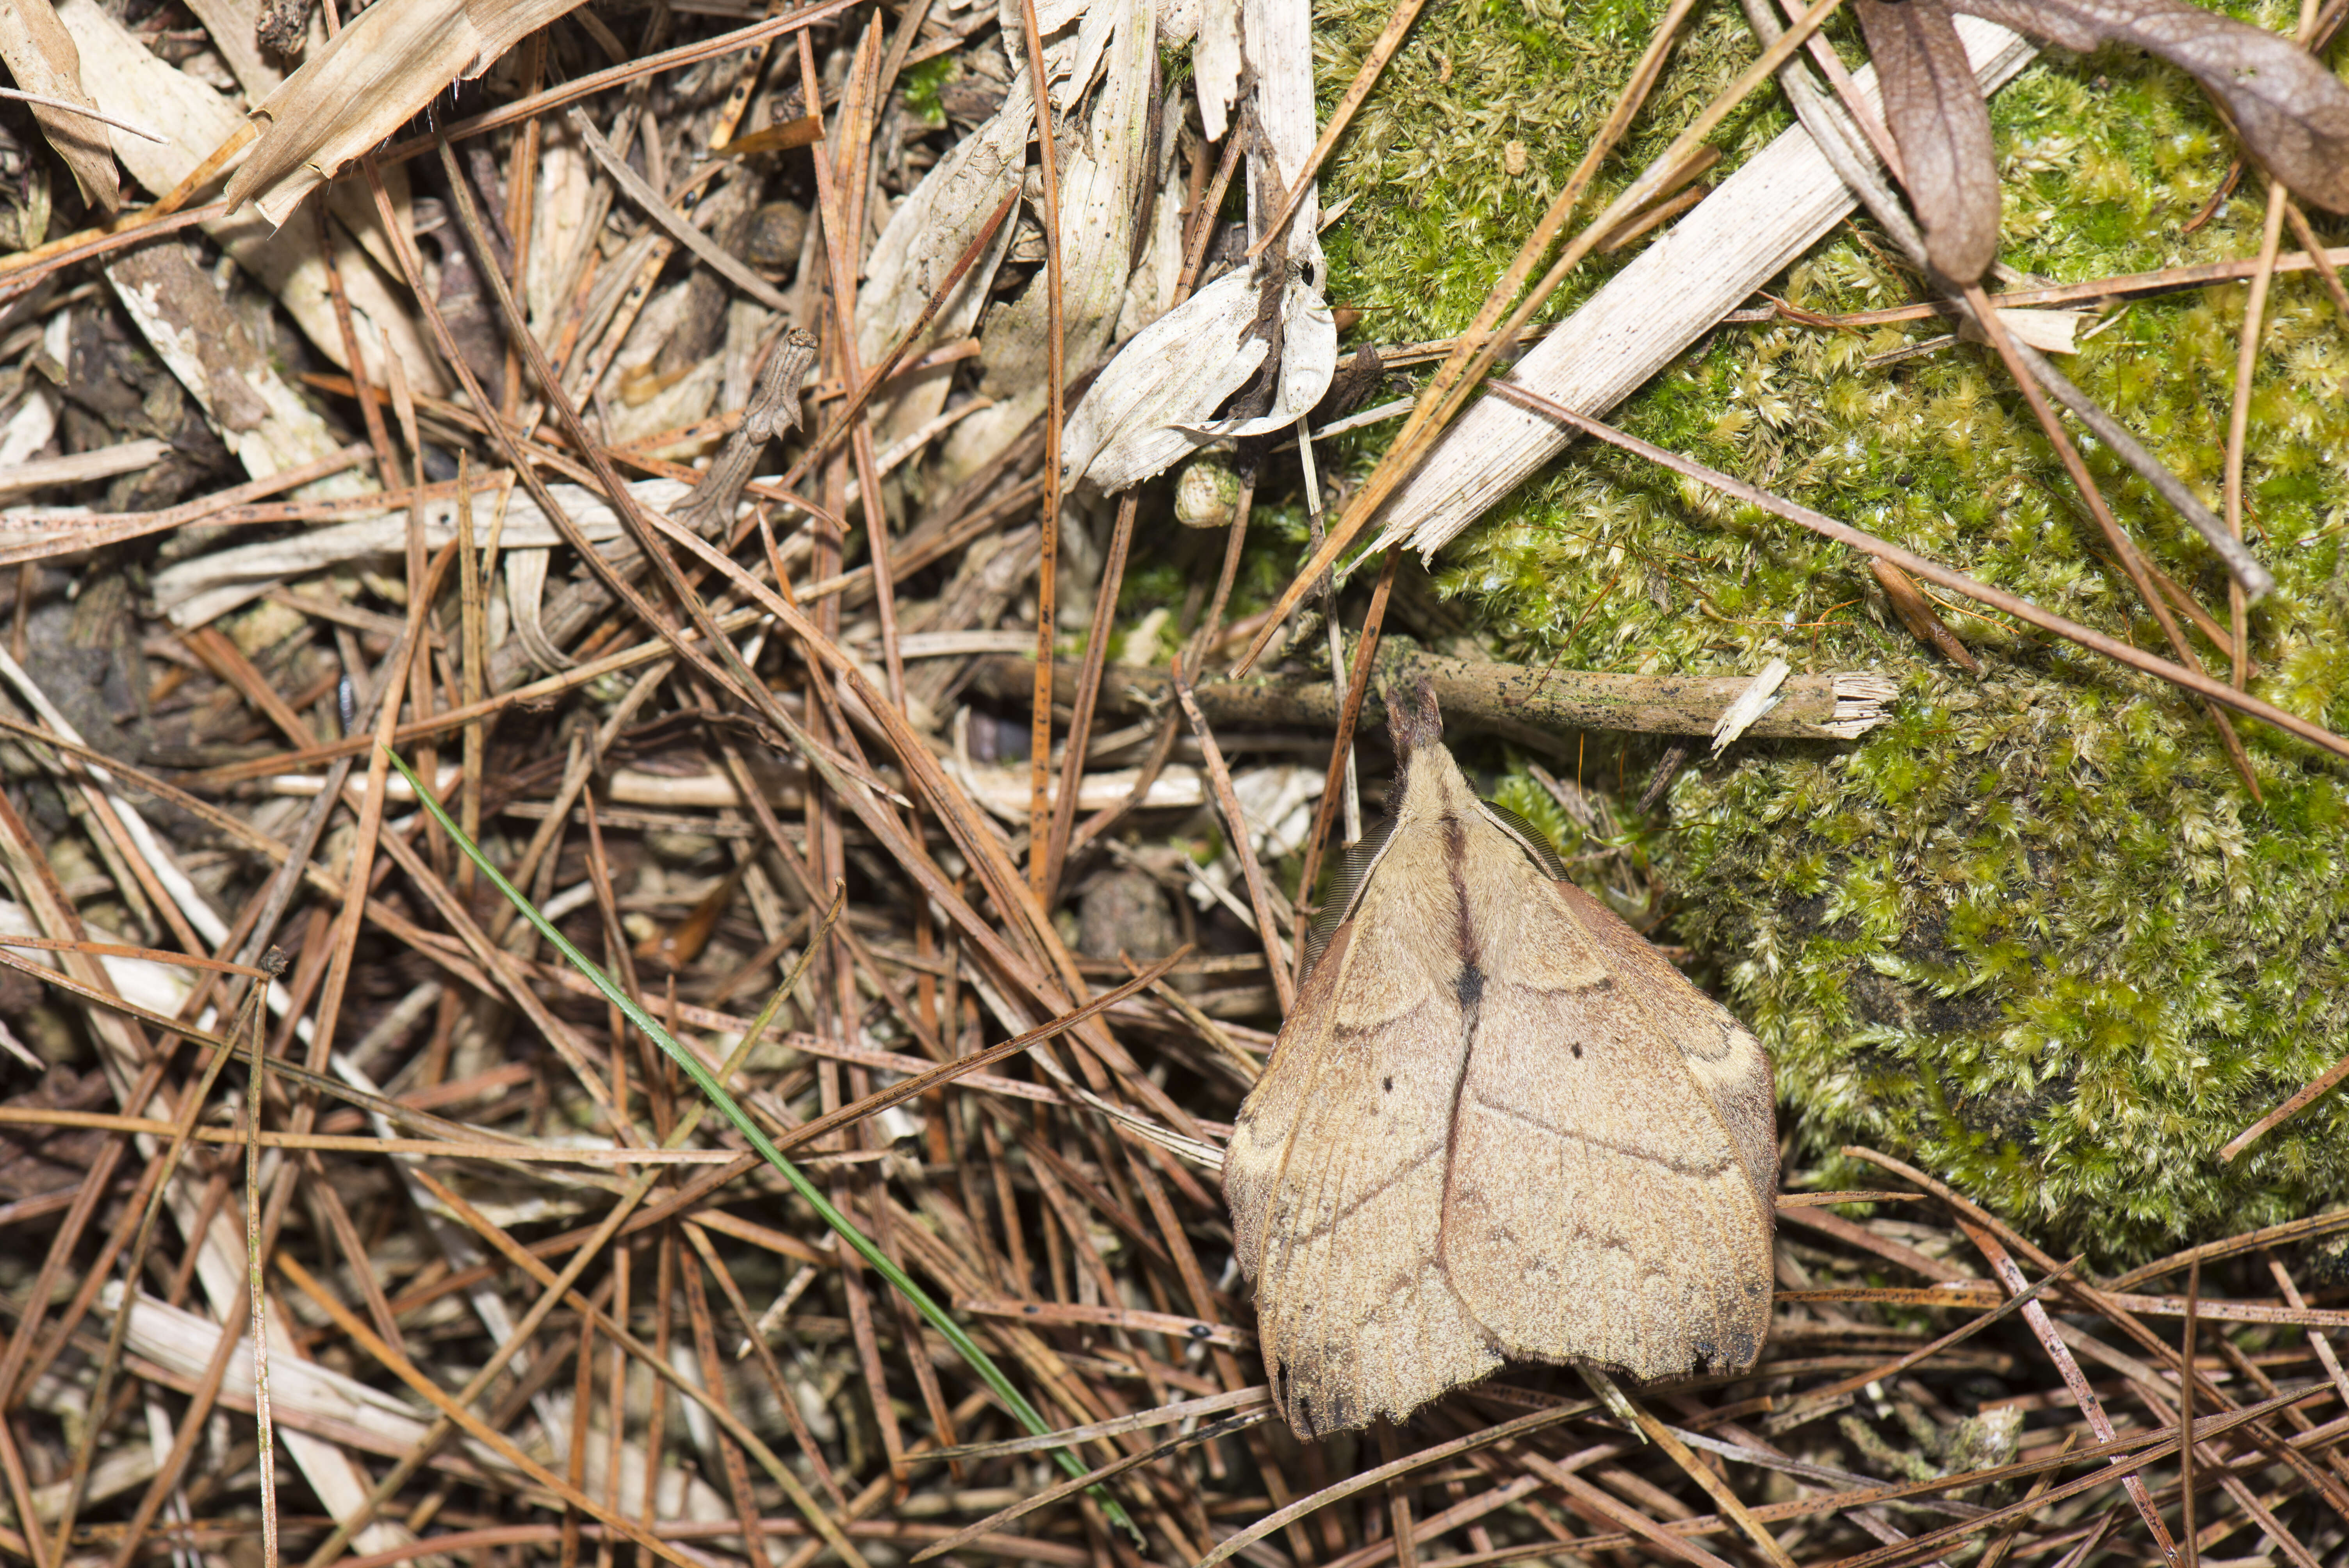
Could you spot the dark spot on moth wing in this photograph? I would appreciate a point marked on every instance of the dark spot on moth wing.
(1388, 1086)
(1470, 987)
(1577, 1048)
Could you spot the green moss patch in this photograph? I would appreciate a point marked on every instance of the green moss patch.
(2035, 933)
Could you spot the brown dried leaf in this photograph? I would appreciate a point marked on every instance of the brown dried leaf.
(42, 58)
(2292, 113)
(1935, 111)
(360, 89)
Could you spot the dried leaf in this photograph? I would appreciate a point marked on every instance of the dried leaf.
(1217, 64)
(1149, 408)
(41, 56)
(1103, 177)
(926, 235)
(1936, 114)
(130, 82)
(379, 71)
(1156, 401)
(2292, 113)
(195, 591)
(235, 30)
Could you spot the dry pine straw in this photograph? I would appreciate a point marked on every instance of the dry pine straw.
(802, 1409)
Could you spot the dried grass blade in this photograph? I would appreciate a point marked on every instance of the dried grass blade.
(2132, 560)
(1140, 1421)
(1243, 842)
(2311, 246)
(1822, 1397)
(474, 1425)
(1382, 49)
(2239, 420)
(946, 1072)
(1996, 1552)
(589, 1244)
(2093, 1409)
(167, 1162)
(1341, 750)
(2316, 1340)
(1825, 1199)
(1039, 742)
(673, 223)
(533, 106)
(2185, 1421)
(1117, 1467)
(1713, 1486)
(257, 1314)
(1081, 724)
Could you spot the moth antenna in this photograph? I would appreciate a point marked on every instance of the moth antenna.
(1412, 718)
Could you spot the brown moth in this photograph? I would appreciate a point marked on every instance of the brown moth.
(1498, 1126)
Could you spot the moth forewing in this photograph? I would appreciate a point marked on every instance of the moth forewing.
(1728, 1064)
(1527, 837)
(1258, 1150)
(1335, 1175)
(1600, 1207)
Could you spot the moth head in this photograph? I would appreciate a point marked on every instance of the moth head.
(1412, 718)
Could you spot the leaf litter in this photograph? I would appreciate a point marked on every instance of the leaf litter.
(284, 1054)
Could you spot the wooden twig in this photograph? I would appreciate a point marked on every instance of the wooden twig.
(1522, 701)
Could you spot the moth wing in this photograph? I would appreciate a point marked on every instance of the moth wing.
(1608, 1200)
(1336, 1169)
(1729, 1064)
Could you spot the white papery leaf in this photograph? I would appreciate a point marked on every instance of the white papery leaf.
(924, 237)
(1156, 401)
(1103, 177)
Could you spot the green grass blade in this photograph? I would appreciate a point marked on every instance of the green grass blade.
(899, 1281)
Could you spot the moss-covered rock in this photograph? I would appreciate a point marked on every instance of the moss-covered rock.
(2036, 933)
